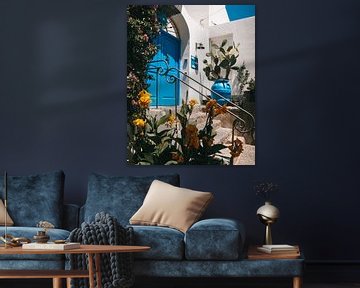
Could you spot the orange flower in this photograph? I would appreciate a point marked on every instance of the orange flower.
(220, 110)
(177, 157)
(209, 106)
(191, 136)
(139, 122)
(237, 148)
(192, 103)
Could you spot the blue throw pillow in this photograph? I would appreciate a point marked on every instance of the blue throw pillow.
(120, 196)
(35, 198)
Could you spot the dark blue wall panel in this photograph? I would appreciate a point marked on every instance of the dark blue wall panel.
(63, 106)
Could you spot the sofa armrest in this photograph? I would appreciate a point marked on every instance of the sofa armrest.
(71, 216)
(215, 239)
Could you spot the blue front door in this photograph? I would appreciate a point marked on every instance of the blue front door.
(165, 93)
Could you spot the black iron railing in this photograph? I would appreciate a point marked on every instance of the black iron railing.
(176, 76)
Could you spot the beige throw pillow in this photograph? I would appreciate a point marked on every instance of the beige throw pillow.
(170, 206)
(9, 221)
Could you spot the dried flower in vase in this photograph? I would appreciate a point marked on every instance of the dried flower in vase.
(45, 225)
(265, 189)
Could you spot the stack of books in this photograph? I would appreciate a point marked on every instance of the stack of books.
(279, 249)
(273, 252)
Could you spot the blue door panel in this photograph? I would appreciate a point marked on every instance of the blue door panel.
(163, 92)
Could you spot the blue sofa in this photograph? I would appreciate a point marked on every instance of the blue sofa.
(210, 248)
(32, 199)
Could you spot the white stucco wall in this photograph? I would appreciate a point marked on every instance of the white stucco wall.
(193, 26)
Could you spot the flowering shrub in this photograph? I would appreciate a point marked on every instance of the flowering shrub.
(167, 141)
(197, 146)
(142, 27)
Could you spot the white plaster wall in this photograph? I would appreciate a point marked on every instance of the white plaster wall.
(217, 15)
(193, 27)
(243, 32)
(196, 19)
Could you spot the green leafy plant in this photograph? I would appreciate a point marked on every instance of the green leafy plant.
(222, 60)
(197, 146)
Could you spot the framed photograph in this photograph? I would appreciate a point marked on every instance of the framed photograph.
(197, 114)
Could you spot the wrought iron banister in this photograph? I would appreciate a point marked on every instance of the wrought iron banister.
(239, 123)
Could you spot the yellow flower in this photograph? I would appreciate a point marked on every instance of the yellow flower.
(171, 120)
(144, 99)
(139, 122)
(192, 103)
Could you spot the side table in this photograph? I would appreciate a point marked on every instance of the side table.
(288, 259)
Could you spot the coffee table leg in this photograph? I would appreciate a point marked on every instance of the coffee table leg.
(297, 282)
(98, 270)
(91, 270)
(57, 283)
(68, 282)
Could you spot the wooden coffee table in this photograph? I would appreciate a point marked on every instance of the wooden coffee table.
(92, 251)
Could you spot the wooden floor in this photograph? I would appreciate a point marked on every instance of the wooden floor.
(45, 283)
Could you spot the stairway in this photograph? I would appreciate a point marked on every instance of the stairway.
(222, 125)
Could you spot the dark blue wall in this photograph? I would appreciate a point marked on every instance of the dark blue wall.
(62, 105)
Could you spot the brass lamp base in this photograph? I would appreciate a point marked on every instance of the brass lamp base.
(268, 238)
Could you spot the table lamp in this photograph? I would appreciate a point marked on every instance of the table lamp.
(268, 214)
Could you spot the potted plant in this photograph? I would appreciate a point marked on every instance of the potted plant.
(223, 60)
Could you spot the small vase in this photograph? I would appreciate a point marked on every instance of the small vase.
(41, 237)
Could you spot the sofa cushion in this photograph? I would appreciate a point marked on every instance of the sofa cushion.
(214, 239)
(29, 232)
(120, 196)
(9, 221)
(165, 243)
(170, 206)
(35, 198)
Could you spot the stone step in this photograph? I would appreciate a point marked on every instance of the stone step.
(223, 136)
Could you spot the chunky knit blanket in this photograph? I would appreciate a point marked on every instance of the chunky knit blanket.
(116, 268)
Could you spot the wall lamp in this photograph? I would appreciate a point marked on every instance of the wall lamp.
(199, 45)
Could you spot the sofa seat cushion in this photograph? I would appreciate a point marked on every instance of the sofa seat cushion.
(214, 239)
(120, 196)
(166, 243)
(29, 232)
